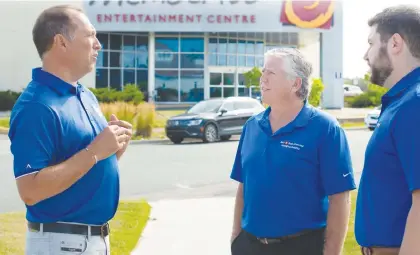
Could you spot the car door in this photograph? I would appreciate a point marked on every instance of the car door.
(228, 120)
(245, 110)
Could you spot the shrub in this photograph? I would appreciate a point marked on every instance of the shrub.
(8, 99)
(130, 94)
(141, 116)
(372, 97)
(315, 94)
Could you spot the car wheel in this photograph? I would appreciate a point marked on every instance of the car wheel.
(371, 128)
(177, 140)
(210, 133)
(225, 137)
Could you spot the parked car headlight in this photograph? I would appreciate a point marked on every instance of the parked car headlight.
(194, 122)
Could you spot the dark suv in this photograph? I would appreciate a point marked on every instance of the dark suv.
(214, 119)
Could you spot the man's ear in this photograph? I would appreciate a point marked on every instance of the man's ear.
(60, 42)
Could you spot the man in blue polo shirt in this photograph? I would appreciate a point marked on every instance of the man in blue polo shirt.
(293, 167)
(388, 203)
(65, 153)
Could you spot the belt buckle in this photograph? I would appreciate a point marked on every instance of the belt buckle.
(263, 240)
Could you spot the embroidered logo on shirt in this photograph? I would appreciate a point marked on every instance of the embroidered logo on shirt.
(290, 145)
(28, 166)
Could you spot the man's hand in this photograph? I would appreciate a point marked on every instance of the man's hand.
(129, 132)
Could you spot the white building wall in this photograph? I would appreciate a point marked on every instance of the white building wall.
(309, 46)
(18, 53)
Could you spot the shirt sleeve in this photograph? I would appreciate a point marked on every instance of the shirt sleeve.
(236, 173)
(406, 138)
(335, 162)
(33, 136)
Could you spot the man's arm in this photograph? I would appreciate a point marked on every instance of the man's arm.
(411, 244)
(337, 223)
(337, 180)
(237, 215)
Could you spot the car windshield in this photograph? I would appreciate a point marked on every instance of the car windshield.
(206, 106)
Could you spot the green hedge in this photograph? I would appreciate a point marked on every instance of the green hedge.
(130, 94)
(316, 92)
(372, 97)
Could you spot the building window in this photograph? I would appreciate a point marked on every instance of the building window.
(123, 60)
(179, 67)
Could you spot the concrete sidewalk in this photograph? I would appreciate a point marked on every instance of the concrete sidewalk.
(188, 227)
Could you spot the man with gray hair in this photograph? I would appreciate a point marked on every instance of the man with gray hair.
(65, 153)
(294, 169)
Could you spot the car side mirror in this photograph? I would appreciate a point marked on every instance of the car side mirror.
(222, 111)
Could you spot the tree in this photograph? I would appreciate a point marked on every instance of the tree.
(252, 77)
(316, 92)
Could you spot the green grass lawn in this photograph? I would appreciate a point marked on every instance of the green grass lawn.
(353, 124)
(126, 229)
(4, 122)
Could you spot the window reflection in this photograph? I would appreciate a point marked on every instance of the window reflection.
(103, 39)
(192, 44)
(215, 92)
(101, 78)
(129, 43)
(129, 59)
(115, 79)
(116, 41)
(166, 60)
(166, 84)
(167, 45)
(142, 80)
(192, 86)
(102, 60)
(115, 59)
(192, 60)
(129, 77)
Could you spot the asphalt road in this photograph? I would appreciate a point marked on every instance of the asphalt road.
(167, 171)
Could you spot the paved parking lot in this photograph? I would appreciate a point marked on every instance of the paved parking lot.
(164, 170)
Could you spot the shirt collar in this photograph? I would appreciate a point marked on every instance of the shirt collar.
(402, 85)
(301, 120)
(52, 81)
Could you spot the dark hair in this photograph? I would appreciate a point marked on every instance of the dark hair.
(403, 20)
(51, 22)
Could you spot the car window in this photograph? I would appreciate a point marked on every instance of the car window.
(244, 105)
(228, 106)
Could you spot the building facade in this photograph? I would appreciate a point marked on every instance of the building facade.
(184, 51)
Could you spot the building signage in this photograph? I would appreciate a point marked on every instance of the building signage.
(308, 14)
(208, 15)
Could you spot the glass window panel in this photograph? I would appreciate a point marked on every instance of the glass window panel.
(284, 39)
(167, 45)
(241, 47)
(192, 45)
(192, 86)
(242, 35)
(250, 48)
(250, 61)
(221, 60)
(103, 39)
(259, 36)
(215, 92)
(192, 60)
(243, 91)
(115, 79)
(102, 60)
(142, 59)
(259, 48)
(222, 46)
(233, 35)
(166, 60)
(228, 92)
(228, 78)
(260, 61)
(129, 59)
(142, 43)
(142, 80)
(232, 46)
(231, 60)
(166, 84)
(215, 79)
(212, 45)
(116, 41)
(129, 77)
(115, 59)
(101, 78)
(255, 92)
(241, 79)
(223, 34)
(294, 38)
(129, 43)
(241, 61)
(213, 59)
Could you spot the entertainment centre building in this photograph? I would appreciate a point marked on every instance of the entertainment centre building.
(184, 51)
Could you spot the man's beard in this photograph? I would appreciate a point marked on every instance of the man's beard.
(380, 74)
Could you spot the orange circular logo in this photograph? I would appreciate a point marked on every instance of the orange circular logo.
(308, 14)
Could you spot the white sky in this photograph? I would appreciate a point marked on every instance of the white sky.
(356, 31)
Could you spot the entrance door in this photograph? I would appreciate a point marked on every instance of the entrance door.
(222, 82)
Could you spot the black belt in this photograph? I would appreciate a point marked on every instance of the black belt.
(66, 228)
(283, 238)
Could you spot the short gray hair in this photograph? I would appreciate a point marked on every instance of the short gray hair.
(51, 22)
(296, 66)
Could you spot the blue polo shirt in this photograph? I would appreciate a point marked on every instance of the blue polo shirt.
(50, 122)
(287, 176)
(391, 170)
